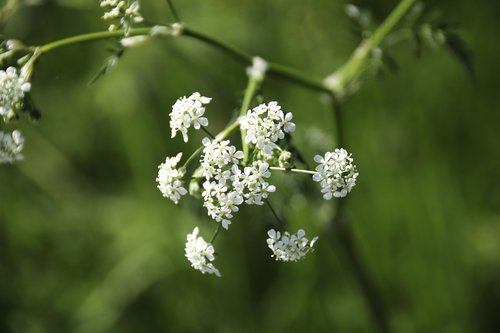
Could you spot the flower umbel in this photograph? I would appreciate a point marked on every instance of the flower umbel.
(187, 112)
(288, 247)
(218, 162)
(11, 146)
(169, 179)
(13, 87)
(265, 125)
(200, 253)
(336, 173)
(124, 12)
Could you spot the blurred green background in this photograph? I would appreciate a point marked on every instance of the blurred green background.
(88, 244)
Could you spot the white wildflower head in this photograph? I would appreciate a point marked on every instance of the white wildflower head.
(216, 155)
(124, 13)
(252, 184)
(265, 124)
(219, 196)
(336, 173)
(187, 112)
(227, 185)
(13, 87)
(11, 145)
(289, 247)
(169, 179)
(258, 68)
(200, 253)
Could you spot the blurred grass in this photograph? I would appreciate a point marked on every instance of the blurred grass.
(87, 243)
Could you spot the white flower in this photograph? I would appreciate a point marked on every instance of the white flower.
(13, 88)
(227, 186)
(258, 68)
(11, 146)
(251, 183)
(220, 202)
(336, 173)
(169, 179)
(265, 125)
(187, 112)
(200, 253)
(124, 12)
(216, 155)
(288, 247)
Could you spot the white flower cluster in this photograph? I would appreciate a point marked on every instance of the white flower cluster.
(288, 247)
(200, 253)
(226, 186)
(11, 146)
(169, 179)
(336, 173)
(13, 88)
(265, 125)
(187, 112)
(123, 11)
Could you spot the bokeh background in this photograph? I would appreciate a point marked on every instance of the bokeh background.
(88, 244)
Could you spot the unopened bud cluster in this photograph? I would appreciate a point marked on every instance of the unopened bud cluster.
(13, 88)
(122, 13)
(11, 145)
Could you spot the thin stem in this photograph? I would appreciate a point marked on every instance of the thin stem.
(341, 233)
(275, 69)
(207, 132)
(280, 222)
(390, 22)
(212, 240)
(222, 135)
(339, 120)
(309, 172)
(173, 11)
(252, 85)
(230, 50)
(93, 36)
(192, 157)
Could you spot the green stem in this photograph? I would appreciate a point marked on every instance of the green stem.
(207, 132)
(309, 172)
(221, 136)
(192, 157)
(89, 37)
(275, 69)
(214, 237)
(173, 11)
(280, 222)
(252, 85)
(278, 70)
(352, 69)
(340, 232)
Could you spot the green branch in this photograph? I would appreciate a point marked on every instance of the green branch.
(355, 65)
(278, 70)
